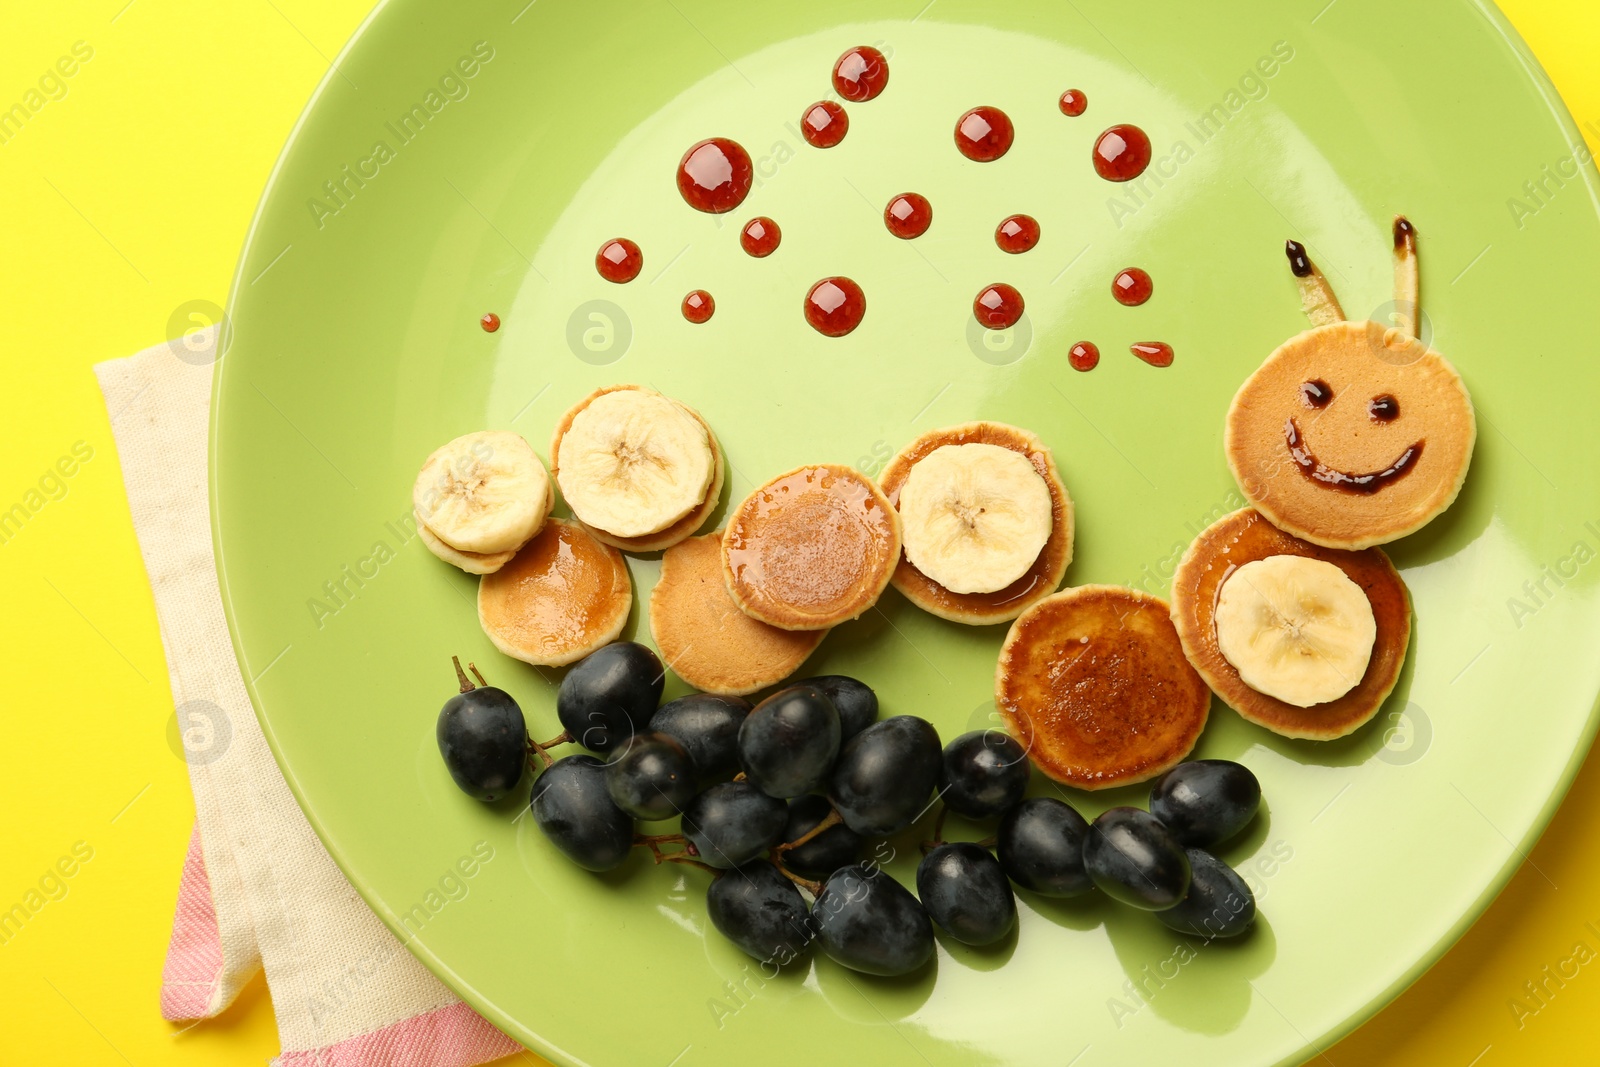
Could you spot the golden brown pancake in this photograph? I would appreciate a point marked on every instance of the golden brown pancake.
(978, 609)
(1244, 537)
(706, 639)
(561, 597)
(1336, 474)
(811, 549)
(684, 527)
(1093, 681)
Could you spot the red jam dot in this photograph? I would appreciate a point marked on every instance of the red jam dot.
(619, 261)
(1121, 153)
(1084, 355)
(1155, 353)
(835, 306)
(998, 307)
(824, 124)
(1132, 287)
(908, 215)
(860, 74)
(1017, 233)
(698, 306)
(984, 134)
(1074, 103)
(714, 176)
(760, 237)
(490, 322)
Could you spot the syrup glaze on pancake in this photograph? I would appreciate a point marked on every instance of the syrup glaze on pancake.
(1094, 683)
(561, 597)
(810, 549)
(1244, 537)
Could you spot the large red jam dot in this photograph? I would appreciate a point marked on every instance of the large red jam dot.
(1155, 353)
(760, 237)
(619, 260)
(1121, 153)
(908, 215)
(835, 306)
(698, 306)
(1132, 287)
(1017, 233)
(1084, 355)
(490, 322)
(860, 74)
(1074, 103)
(984, 134)
(824, 124)
(714, 175)
(998, 307)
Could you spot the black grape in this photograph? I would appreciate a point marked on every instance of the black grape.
(966, 893)
(732, 823)
(886, 774)
(788, 743)
(571, 805)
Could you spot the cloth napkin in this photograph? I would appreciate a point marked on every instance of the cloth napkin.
(257, 889)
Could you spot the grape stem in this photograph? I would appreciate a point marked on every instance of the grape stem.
(461, 675)
(687, 857)
(473, 667)
(832, 819)
(938, 831)
(536, 748)
(814, 888)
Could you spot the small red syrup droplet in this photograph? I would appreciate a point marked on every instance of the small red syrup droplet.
(835, 306)
(1121, 153)
(998, 307)
(824, 124)
(760, 237)
(861, 74)
(1132, 287)
(1085, 355)
(1074, 103)
(1017, 233)
(908, 215)
(984, 134)
(490, 322)
(619, 260)
(1155, 353)
(714, 175)
(698, 306)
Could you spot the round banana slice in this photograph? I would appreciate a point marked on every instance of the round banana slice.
(1048, 566)
(1232, 543)
(561, 597)
(483, 493)
(1295, 628)
(471, 562)
(633, 462)
(974, 517)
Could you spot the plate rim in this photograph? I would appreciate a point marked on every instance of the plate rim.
(520, 1032)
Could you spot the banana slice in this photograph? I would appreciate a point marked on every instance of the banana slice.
(471, 562)
(1295, 628)
(633, 462)
(483, 493)
(974, 517)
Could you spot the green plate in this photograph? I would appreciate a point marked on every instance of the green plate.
(471, 157)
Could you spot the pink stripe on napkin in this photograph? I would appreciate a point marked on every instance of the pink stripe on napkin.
(192, 975)
(451, 1036)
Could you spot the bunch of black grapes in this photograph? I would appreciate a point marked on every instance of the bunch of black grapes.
(779, 801)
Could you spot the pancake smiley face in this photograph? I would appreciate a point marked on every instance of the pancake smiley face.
(1352, 434)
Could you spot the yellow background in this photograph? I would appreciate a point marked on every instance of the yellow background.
(128, 198)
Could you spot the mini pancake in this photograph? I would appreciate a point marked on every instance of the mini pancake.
(1351, 435)
(677, 531)
(706, 639)
(978, 609)
(1093, 681)
(561, 597)
(810, 549)
(1244, 537)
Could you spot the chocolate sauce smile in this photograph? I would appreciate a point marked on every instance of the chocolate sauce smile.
(1364, 484)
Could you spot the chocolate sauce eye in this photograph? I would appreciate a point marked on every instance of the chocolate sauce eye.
(1384, 408)
(1316, 393)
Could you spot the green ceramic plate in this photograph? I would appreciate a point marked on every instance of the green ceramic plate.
(471, 157)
